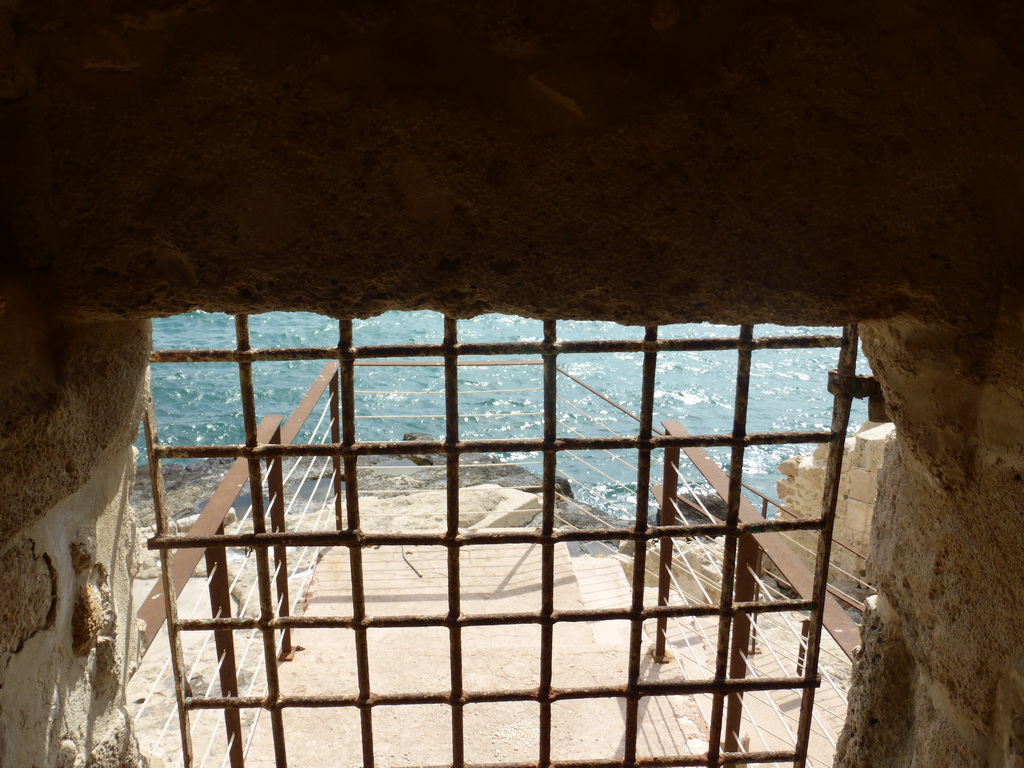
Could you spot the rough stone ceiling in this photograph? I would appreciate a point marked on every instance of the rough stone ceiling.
(643, 161)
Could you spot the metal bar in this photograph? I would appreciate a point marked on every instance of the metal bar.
(666, 517)
(847, 366)
(347, 354)
(224, 641)
(492, 619)
(275, 488)
(746, 557)
(800, 578)
(259, 526)
(739, 428)
(547, 611)
(501, 348)
(451, 537)
(678, 688)
(153, 613)
(337, 478)
(524, 445)
(167, 578)
(643, 486)
(465, 538)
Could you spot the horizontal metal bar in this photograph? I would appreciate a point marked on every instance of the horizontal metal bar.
(661, 761)
(349, 538)
(489, 620)
(376, 352)
(405, 448)
(643, 690)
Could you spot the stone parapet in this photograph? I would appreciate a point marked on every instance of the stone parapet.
(802, 488)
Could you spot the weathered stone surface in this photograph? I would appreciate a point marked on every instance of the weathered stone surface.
(86, 620)
(71, 395)
(883, 675)
(945, 547)
(28, 589)
(61, 688)
(499, 157)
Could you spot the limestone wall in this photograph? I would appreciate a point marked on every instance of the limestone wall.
(938, 682)
(802, 488)
(67, 629)
(70, 395)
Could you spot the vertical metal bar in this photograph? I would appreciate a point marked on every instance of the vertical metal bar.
(746, 556)
(846, 367)
(224, 640)
(347, 356)
(170, 594)
(739, 431)
(275, 488)
(259, 525)
(337, 476)
(667, 516)
(643, 489)
(547, 607)
(451, 418)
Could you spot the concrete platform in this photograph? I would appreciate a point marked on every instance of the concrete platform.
(495, 579)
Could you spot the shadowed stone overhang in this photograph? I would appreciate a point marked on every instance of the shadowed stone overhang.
(803, 162)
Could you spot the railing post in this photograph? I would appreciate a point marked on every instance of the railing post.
(338, 477)
(224, 641)
(667, 516)
(275, 487)
(746, 559)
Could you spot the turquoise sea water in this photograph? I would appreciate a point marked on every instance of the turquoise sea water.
(200, 403)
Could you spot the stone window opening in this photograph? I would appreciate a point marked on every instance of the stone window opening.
(725, 732)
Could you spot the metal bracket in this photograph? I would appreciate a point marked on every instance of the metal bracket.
(854, 386)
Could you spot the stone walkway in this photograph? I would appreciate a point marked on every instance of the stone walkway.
(495, 579)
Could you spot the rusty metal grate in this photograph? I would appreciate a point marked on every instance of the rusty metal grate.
(269, 539)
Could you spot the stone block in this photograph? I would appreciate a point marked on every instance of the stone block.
(863, 485)
(790, 467)
(857, 516)
(870, 445)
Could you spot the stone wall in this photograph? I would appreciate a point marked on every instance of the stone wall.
(70, 396)
(802, 163)
(69, 642)
(938, 682)
(802, 488)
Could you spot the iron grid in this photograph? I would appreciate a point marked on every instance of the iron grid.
(344, 450)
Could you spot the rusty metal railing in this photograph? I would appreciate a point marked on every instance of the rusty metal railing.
(750, 549)
(732, 612)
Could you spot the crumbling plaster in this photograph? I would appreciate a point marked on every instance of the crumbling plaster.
(794, 162)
